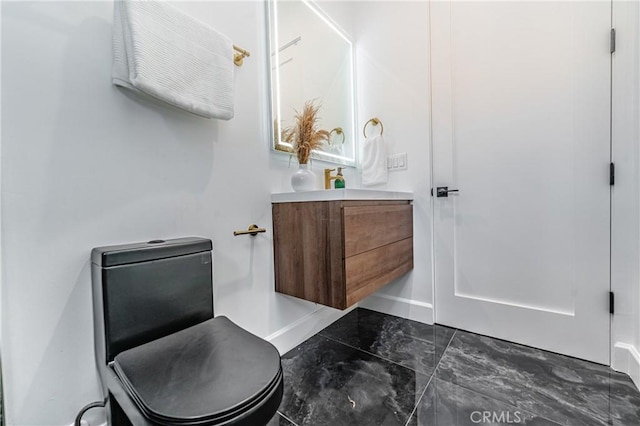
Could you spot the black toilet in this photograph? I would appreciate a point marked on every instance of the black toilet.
(163, 358)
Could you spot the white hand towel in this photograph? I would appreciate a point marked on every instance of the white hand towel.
(166, 54)
(374, 161)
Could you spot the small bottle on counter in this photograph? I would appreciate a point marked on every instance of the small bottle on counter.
(339, 182)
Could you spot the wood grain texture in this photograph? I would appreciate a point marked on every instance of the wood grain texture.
(313, 260)
(308, 251)
(336, 256)
(367, 272)
(360, 203)
(369, 227)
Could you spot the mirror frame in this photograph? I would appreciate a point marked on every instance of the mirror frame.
(274, 87)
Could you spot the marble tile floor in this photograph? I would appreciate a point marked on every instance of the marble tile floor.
(372, 369)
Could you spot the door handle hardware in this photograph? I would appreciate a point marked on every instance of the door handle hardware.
(443, 191)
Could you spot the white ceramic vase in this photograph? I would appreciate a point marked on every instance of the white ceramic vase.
(303, 179)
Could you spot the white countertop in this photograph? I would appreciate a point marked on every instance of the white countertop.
(340, 194)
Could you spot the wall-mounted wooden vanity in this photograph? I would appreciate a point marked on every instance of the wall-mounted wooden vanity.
(337, 247)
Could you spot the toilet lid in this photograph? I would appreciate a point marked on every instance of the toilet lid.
(208, 373)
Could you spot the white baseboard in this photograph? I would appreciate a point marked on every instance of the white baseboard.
(626, 359)
(297, 332)
(400, 307)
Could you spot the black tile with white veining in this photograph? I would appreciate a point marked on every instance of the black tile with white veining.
(328, 383)
(279, 420)
(409, 343)
(624, 401)
(560, 388)
(446, 404)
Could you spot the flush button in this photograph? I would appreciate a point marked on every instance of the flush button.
(156, 242)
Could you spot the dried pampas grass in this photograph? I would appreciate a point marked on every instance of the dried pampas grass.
(304, 135)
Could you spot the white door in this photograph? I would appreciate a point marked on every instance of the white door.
(521, 119)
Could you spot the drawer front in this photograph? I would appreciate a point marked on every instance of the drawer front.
(307, 248)
(369, 271)
(369, 227)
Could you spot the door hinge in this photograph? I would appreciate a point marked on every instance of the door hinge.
(612, 174)
(613, 40)
(611, 302)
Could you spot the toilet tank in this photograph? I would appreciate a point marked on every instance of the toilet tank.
(144, 291)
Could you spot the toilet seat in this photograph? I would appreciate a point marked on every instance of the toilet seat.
(213, 373)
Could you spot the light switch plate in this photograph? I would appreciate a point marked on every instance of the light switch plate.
(397, 162)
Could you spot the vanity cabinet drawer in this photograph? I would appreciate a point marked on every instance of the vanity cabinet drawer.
(338, 252)
(367, 272)
(368, 227)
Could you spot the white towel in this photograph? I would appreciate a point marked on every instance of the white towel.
(166, 54)
(374, 161)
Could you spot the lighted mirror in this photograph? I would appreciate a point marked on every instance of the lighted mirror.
(311, 59)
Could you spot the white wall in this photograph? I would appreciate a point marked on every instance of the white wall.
(625, 235)
(86, 164)
(2, 409)
(392, 63)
